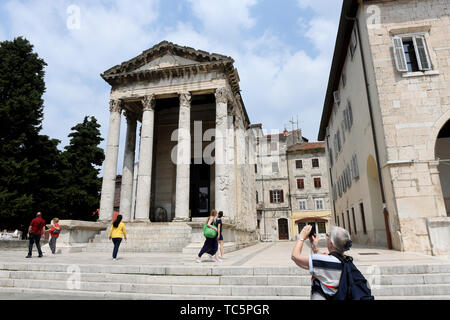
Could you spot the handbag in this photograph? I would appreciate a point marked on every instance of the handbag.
(209, 232)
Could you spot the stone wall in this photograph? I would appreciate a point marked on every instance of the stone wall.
(414, 106)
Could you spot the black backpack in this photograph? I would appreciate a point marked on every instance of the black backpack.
(352, 285)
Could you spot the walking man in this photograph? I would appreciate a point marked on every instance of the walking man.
(35, 231)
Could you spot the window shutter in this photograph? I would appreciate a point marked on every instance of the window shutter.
(423, 59)
(350, 115)
(331, 157)
(347, 119)
(399, 54)
(281, 196)
(337, 97)
(356, 167)
(271, 196)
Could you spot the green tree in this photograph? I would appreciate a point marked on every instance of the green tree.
(83, 159)
(21, 112)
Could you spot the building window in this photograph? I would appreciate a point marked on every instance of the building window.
(411, 54)
(256, 168)
(299, 164)
(257, 197)
(275, 167)
(354, 220)
(317, 183)
(353, 43)
(337, 142)
(321, 227)
(300, 184)
(343, 220)
(343, 130)
(276, 196)
(349, 222)
(344, 79)
(363, 218)
(302, 205)
(315, 163)
(348, 116)
(354, 167)
(337, 97)
(319, 204)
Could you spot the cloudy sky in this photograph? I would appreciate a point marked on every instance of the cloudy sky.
(282, 50)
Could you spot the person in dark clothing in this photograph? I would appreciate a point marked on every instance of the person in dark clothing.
(219, 233)
(211, 245)
(35, 231)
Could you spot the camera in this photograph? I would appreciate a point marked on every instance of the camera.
(313, 231)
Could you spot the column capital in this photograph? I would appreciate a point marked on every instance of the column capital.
(185, 99)
(222, 95)
(115, 106)
(149, 102)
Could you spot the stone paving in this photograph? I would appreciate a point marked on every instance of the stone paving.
(268, 254)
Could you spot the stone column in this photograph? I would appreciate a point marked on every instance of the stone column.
(222, 179)
(230, 166)
(110, 168)
(183, 159)
(145, 160)
(126, 192)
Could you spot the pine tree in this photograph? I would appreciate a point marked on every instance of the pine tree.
(21, 111)
(81, 157)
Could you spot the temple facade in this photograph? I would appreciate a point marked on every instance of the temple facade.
(187, 147)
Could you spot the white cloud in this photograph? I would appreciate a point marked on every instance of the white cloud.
(277, 82)
(109, 34)
(224, 18)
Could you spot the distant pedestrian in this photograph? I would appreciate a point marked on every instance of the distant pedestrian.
(219, 233)
(54, 231)
(211, 245)
(35, 231)
(116, 234)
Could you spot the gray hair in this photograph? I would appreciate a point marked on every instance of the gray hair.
(340, 238)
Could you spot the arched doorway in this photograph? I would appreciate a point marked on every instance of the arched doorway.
(442, 151)
(283, 230)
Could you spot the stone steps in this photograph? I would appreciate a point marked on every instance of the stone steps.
(90, 295)
(205, 282)
(264, 280)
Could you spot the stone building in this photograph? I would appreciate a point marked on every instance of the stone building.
(386, 124)
(291, 185)
(309, 187)
(193, 147)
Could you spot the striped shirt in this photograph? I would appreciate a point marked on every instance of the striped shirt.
(327, 269)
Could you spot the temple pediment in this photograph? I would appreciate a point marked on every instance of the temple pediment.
(167, 61)
(165, 56)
